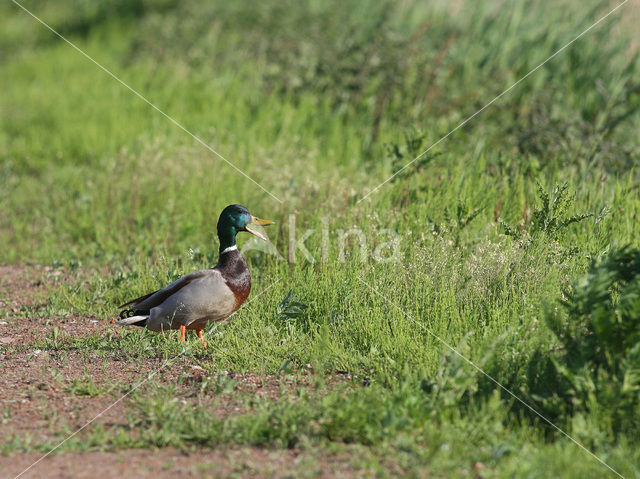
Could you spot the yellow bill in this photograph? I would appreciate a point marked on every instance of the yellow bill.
(259, 222)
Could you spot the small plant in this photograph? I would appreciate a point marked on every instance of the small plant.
(456, 221)
(290, 308)
(401, 154)
(224, 384)
(291, 312)
(550, 218)
(54, 338)
(85, 386)
(6, 415)
(407, 161)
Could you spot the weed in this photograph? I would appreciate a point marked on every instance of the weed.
(550, 220)
(455, 222)
(291, 308)
(85, 386)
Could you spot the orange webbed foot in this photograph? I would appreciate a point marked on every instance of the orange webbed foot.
(199, 333)
(183, 333)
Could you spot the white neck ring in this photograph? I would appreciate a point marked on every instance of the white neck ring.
(229, 249)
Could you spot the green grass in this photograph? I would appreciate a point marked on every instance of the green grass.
(319, 104)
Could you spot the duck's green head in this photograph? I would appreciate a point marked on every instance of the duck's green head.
(235, 218)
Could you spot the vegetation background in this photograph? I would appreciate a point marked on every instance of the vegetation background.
(517, 234)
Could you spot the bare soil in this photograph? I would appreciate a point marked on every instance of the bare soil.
(168, 463)
(38, 399)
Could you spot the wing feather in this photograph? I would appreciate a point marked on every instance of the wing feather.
(133, 302)
(158, 297)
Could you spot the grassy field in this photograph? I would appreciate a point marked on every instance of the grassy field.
(513, 241)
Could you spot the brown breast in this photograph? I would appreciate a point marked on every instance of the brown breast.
(236, 274)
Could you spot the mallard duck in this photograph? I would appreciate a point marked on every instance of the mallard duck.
(202, 296)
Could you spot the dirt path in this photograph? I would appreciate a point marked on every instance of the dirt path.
(35, 384)
(169, 463)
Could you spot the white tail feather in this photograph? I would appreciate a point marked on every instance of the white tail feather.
(131, 320)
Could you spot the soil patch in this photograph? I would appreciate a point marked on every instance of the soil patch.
(169, 463)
